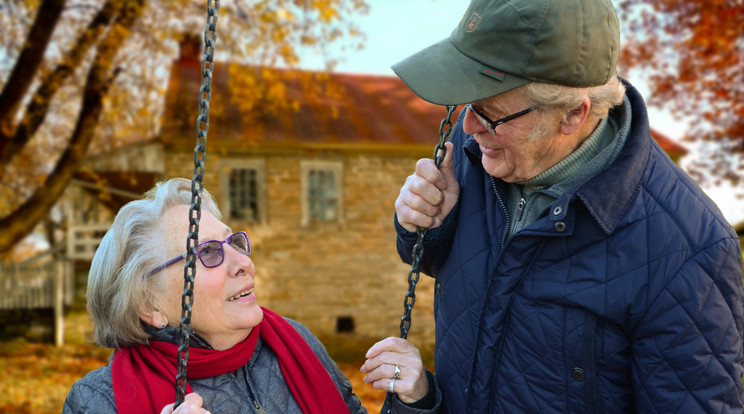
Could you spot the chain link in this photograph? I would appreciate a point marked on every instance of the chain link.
(445, 128)
(197, 186)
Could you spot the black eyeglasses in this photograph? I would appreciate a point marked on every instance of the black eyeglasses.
(491, 125)
(212, 252)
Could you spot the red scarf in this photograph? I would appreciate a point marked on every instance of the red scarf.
(144, 375)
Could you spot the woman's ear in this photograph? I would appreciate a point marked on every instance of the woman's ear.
(576, 118)
(154, 318)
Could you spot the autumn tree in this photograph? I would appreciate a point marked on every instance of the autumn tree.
(83, 75)
(693, 53)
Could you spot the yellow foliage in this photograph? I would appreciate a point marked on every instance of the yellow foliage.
(266, 33)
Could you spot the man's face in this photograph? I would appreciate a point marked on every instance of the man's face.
(521, 148)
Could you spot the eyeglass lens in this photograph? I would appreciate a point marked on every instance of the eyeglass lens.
(212, 253)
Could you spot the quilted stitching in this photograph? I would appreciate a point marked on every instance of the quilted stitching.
(661, 279)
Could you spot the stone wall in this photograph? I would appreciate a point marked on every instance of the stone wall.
(323, 274)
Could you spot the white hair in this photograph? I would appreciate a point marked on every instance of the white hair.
(550, 96)
(558, 100)
(119, 285)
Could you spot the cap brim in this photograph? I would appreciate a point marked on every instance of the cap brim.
(440, 74)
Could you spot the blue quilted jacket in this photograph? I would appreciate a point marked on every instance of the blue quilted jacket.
(626, 296)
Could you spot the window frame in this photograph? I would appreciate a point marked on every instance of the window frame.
(336, 167)
(227, 166)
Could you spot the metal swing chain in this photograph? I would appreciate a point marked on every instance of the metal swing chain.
(197, 186)
(445, 128)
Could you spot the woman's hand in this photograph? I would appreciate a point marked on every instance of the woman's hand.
(192, 404)
(411, 384)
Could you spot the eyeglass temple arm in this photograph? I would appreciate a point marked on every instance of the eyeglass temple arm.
(168, 263)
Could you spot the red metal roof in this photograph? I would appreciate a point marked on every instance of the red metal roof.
(367, 110)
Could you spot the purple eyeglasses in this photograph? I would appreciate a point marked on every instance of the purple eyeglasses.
(212, 252)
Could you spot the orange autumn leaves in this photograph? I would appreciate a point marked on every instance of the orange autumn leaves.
(37, 377)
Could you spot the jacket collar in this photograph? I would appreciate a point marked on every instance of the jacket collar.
(608, 194)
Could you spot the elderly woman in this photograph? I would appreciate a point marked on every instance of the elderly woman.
(243, 358)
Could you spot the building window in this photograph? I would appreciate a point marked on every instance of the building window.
(244, 194)
(243, 190)
(321, 191)
(345, 324)
(322, 198)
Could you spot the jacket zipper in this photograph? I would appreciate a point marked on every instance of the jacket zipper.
(506, 212)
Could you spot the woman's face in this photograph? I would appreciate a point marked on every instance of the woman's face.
(222, 313)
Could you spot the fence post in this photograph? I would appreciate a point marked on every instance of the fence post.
(59, 309)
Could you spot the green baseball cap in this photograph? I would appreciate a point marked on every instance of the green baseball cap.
(501, 44)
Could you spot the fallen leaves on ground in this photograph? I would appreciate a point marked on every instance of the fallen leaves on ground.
(37, 377)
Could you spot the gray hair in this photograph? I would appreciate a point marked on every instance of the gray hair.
(550, 96)
(118, 282)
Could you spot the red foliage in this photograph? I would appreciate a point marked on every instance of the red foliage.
(694, 53)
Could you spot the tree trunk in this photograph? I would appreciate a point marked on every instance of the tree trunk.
(22, 221)
(49, 84)
(26, 66)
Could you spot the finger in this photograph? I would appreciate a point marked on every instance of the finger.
(388, 344)
(383, 356)
(427, 169)
(383, 366)
(447, 169)
(413, 212)
(446, 163)
(442, 176)
(192, 403)
(421, 195)
(386, 372)
(407, 389)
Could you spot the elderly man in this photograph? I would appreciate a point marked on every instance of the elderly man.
(578, 270)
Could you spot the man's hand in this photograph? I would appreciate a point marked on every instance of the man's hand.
(429, 194)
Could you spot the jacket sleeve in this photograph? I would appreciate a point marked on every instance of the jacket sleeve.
(687, 348)
(437, 243)
(393, 405)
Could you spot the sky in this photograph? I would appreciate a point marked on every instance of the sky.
(396, 29)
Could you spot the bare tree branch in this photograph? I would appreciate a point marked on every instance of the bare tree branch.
(22, 221)
(27, 64)
(49, 85)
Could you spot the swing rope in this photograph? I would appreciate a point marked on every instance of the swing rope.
(445, 128)
(197, 186)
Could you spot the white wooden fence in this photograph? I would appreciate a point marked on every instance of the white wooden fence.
(38, 284)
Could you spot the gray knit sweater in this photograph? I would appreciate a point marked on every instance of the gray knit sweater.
(231, 392)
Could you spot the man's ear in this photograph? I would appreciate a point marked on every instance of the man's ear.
(575, 118)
